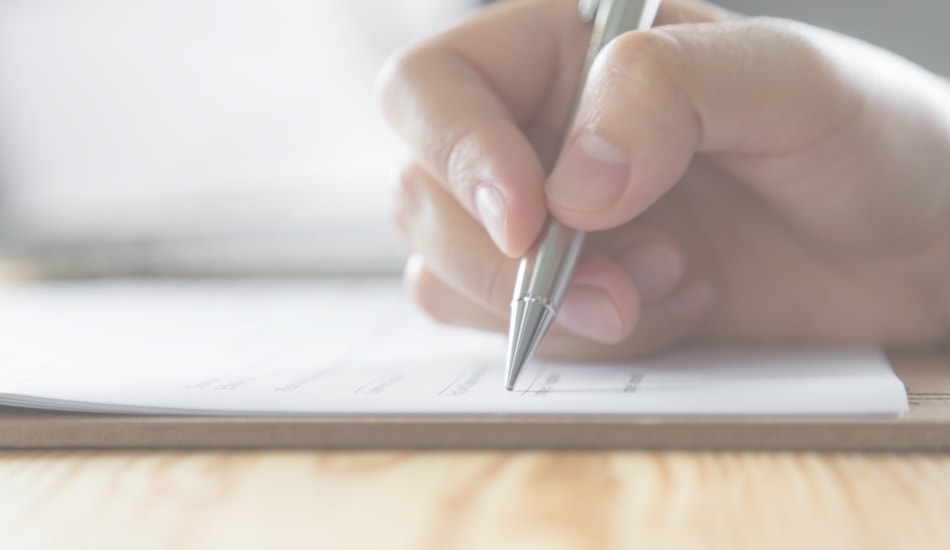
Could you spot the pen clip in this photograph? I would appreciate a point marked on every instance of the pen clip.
(587, 9)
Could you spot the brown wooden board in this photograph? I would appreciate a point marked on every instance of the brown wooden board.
(926, 427)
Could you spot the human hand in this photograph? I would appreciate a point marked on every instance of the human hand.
(746, 180)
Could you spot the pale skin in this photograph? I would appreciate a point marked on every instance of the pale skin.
(744, 180)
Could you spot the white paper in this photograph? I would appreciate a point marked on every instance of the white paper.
(358, 346)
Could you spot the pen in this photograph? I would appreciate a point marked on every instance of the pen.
(544, 273)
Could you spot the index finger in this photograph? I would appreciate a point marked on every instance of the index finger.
(459, 101)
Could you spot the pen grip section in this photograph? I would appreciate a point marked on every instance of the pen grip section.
(545, 272)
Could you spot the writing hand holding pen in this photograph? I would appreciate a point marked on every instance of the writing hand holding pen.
(743, 180)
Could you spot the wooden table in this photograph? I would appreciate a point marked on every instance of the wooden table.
(478, 500)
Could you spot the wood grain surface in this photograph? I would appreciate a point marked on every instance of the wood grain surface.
(471, 500)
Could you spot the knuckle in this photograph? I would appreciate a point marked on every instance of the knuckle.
(409, 179)
(645, 62)
(776, 27)
(469, 151)
(397, 75)
(424, 289)
(388, 81)
(408, 197)
(797, 41)
(460, 157)
(418, 283)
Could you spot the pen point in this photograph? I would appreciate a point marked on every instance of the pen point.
(529, 323)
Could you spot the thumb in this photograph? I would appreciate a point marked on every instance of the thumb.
(655, 98)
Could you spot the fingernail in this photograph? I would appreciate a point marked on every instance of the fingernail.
(655, 269)
(493, 213)
(412, 269)
(690, 301)
(589, 311)
(591, 175)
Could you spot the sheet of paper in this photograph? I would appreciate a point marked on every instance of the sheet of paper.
(358, 346)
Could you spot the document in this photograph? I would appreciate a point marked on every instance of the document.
(359, 346)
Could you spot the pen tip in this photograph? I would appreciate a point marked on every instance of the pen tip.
(529, 322)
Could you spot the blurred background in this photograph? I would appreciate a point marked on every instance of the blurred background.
(241, 136)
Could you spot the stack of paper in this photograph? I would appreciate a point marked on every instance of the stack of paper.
(358, 346)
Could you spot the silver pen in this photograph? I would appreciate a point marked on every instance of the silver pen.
(546, 270)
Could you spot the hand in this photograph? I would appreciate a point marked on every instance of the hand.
(746, 180)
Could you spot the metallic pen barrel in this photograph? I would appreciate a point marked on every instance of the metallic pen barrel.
(543, 276)
(545, 272)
